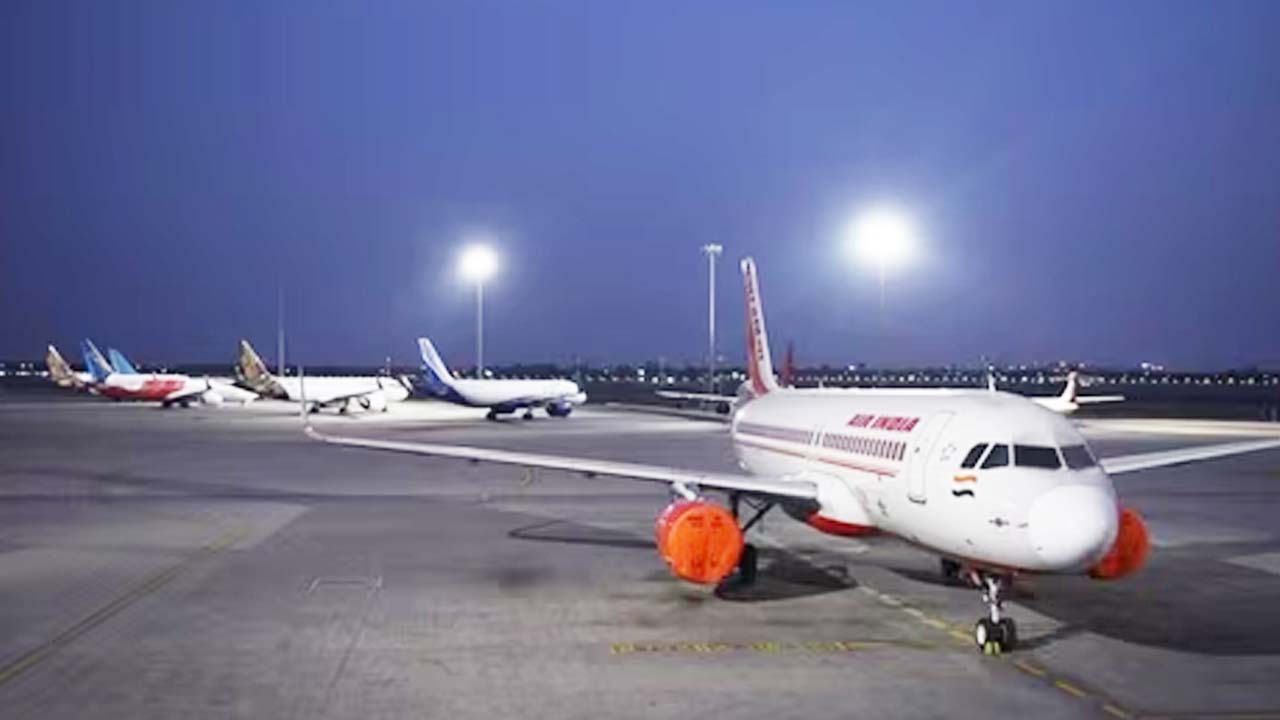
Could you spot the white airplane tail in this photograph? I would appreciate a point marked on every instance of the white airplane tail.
(759, 362)
(1072, 389)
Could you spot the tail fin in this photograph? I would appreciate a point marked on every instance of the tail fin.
(93, 361)
(434, 371)
(1073, 387)
(759, 363)
(788, 378)
(991, 379)
(252, 370)
(59, 371)
(120, 363)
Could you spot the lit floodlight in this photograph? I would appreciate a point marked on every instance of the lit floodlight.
(883, 238)
(478, 263)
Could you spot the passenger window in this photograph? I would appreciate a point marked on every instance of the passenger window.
(1078, 457)
(1036, 456)
(974, 455)
(998, 457)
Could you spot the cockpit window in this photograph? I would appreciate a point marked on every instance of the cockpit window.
(998, 457)
(1078, 457)
(974, 455)
(1036, 456)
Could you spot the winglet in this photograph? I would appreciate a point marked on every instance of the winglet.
(1073, 387)
(759, 362)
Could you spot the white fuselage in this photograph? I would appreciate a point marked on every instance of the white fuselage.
(891, 460)
(498, 393)
(327, 389)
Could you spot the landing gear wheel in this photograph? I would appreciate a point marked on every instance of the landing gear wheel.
(993, 634)
(528, 415)
(986, 635)
(748, 565)
(493, 415)
(1008, 633)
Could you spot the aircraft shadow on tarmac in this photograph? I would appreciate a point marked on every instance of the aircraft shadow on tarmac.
(781, 575)
(1187, 599)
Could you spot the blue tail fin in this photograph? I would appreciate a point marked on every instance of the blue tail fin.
(434, 372)
(120, 363)
(93, 361)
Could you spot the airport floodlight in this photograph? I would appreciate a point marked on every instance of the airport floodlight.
(478, 263)
(883, 238)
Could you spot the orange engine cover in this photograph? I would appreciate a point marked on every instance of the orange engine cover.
(700, 541)
(1130, 550)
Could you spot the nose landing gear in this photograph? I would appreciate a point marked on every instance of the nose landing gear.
(995, 633)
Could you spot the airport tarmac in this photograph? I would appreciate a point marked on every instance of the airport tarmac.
(214, 562)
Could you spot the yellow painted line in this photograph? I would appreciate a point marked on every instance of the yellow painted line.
(1070, 689)
(935, 623)
(963, 637)
(32, 657)
(1114, 711)
(1028, 668)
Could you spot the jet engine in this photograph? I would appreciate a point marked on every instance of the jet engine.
(699, 540)
(211, 397)
(559, 409)
(374, 402)
(1130, 550)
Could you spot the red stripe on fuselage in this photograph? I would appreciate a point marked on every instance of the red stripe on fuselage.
(151, 389)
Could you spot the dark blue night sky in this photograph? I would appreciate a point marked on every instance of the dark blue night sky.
(1097, 182)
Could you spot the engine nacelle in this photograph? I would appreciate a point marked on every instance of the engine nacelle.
(374, 402)
(559, 409)
(210, 397)
(1130, 550)
(699, 540)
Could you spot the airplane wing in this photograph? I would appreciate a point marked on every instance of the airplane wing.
(1181, 456)
(1091, 399)
(793, 489)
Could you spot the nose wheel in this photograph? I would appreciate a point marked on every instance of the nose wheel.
(994, 634)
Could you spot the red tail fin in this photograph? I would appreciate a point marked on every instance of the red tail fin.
(759, 363)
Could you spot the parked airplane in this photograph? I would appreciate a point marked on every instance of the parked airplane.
(167, 389)
(501, 396)
(1069, 401)
(210, 391)
(993, 483)
(345, 393)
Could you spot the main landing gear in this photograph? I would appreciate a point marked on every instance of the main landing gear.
(995, 633)
(749, 561)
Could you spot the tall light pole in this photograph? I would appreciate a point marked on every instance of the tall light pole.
(712, 251)
(477, 264)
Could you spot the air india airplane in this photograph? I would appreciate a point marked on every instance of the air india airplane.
(991, 482)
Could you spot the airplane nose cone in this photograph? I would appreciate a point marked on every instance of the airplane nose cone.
(1073, 526)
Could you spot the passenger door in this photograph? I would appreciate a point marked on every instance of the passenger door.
(920, 457)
